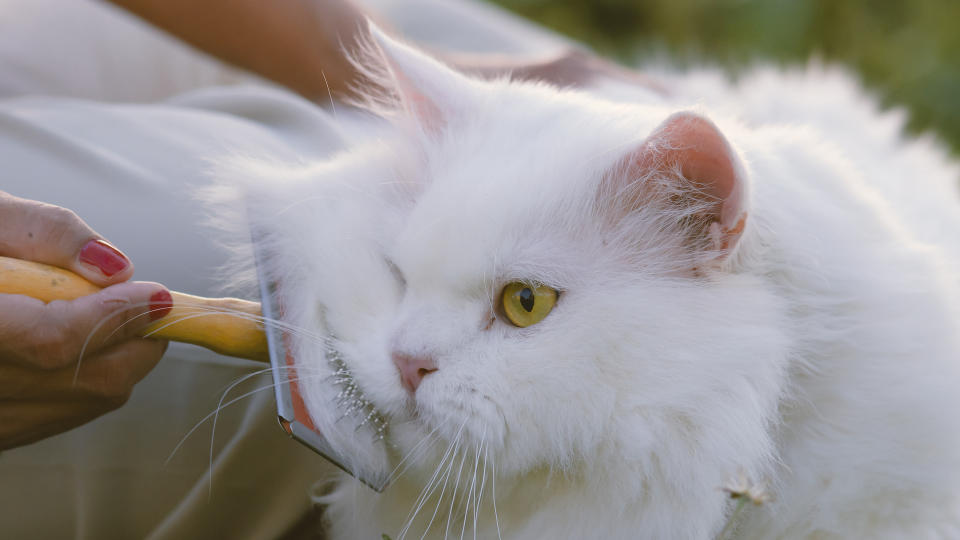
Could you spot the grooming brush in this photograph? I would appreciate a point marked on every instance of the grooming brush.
(231, 327)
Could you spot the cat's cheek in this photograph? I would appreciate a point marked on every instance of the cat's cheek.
(388, 397)
(381, 383)
(376, 375)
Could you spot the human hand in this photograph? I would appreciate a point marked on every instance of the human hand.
(570, 67)
(45, 385)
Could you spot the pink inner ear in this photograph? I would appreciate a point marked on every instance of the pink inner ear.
(692, 143)
(418, 105)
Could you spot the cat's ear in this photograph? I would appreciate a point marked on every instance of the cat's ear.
(428, 90)
(689, 149)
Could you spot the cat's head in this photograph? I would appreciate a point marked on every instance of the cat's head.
(540, 276)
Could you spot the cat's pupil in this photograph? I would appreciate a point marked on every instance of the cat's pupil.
(526, 299)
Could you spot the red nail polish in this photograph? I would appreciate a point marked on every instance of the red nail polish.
(160, 304)
(104, 256)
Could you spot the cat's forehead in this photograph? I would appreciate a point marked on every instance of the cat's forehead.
(505, 189)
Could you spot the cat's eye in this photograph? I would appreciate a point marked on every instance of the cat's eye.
(526, 304)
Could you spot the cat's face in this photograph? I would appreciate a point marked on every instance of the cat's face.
(528, 394)
(529, 188)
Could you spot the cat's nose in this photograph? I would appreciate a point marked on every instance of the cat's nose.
(413, 368)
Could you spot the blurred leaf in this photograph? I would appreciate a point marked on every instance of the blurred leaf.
(906, 51)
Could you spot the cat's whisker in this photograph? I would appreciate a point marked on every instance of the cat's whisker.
(213, 429)
(436, 472)
(333, 105)
(101, 323)
(275, 323)
(446, 480)
(353, 404)
(493, 491)
(267, 321)
(212, 413)
(479, 492)
(395, 474)
(229, 386)
(424, 493)
(470, 503)
(471, 493)
(120, 327)
(426, 445)
(202, 310)
(453, 496)
(418, 450)
(427, 492)
(460, 499)
(483, 482)
(216, 416)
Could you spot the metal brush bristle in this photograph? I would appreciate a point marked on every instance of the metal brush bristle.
(351, 400)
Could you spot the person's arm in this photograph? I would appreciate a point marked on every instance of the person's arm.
(297, 43)
(301, 44)
(65, 363)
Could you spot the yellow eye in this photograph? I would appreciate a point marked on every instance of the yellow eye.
(526, 304)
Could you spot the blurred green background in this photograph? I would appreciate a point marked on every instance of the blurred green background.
(906, 52)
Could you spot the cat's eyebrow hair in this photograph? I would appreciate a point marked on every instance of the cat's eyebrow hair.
(395, 270)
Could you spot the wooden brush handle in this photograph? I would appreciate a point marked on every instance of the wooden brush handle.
(191, 320)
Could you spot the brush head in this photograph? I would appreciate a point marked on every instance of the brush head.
(349, 400)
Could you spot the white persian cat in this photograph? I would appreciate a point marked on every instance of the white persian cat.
(573, 317)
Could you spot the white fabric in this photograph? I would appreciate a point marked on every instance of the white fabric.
(129, 170)
(93, 50)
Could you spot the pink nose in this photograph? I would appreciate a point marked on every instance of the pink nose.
(413, 369)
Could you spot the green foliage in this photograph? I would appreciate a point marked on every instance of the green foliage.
(906, 51)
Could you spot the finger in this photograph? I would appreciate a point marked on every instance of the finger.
(41, 232)
(107, 376)
(113, 373)
(55, 335)
(23, 422)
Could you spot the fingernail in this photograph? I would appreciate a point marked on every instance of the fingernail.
(160, 304)
(104, 256)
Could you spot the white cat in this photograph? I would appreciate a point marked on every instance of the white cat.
(581, 318)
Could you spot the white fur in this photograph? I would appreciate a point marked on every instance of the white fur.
(821, 359)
